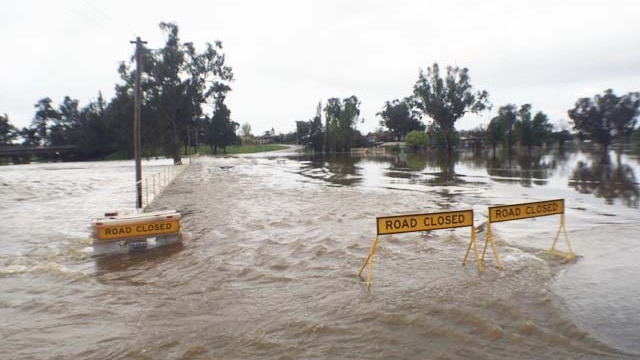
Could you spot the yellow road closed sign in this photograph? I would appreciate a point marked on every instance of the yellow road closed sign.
(142, 229)
(526, 210)
(424, 222)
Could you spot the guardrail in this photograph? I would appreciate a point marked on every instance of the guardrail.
(154, 184)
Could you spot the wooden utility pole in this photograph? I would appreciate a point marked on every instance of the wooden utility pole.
(136, 121)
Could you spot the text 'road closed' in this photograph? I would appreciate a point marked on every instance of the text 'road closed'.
(135, 230)
(424, 222)
(526, 210)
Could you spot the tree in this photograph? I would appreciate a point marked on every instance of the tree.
(245, 130)
(542, 129)
(332, 112)
(29, 136)
(447, 99)
(118, 119)
(222, 131)
(303, 130)
(625, 115)
(95, 139)
(532, 132)
(45, 114)
(315, 130)
(507, 117)
(440, 139)
(64, 130)
(417, 139)
(605, 117)
(8, 132)
(341, 118)
(400, 118)
(495, 133)
(177, 82)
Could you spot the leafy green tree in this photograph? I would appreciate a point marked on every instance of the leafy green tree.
(400, 118)
(524, 126)
(495, 133)
(310, 133)
(507, 117)
(417, 139)
(532, 132)
(625, 115)
(29, 136)
(441, 139)
(118, 118)
(64, 129)
(303, 130)
(45, 114)
(605, 117)
(447, 99)
(95, 139)
(542, 129)
(635, 141)
(222, 131)
(315, 130)
(341, 118)
(177, 82)
(8, 132)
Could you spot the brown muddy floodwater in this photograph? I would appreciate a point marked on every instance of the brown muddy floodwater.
(268, 271)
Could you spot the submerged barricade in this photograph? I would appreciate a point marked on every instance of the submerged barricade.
(388, 225)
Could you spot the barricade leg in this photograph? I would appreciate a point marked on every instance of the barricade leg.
(495, 255)
(475, 250)
(569, 255)
(486, 241)
(489, 240)
(369, 260)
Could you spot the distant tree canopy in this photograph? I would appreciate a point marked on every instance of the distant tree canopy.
(341, 116)
(310, 133)
(245, 130)
(445, 100)
(8, 132)
(222, 131)
(606, 117)
(532, 132)
(400, 118)
(417, 139)
(513, 124)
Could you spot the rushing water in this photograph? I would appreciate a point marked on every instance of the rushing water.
(276, 240)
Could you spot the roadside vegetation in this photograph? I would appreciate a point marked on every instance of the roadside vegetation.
(184, 106)
(247, 149)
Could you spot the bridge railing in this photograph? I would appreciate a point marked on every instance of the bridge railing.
(156, 182)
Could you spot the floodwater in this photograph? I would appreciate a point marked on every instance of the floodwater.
(269, 268)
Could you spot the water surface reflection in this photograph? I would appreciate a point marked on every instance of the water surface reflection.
(581, 171)
(606, 180)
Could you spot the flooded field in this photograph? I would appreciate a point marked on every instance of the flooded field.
(276, 240)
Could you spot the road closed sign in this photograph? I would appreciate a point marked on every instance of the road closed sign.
(424, 222)
(142, 229)
(526, 210)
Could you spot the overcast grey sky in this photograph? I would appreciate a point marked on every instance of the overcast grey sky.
(288, 55)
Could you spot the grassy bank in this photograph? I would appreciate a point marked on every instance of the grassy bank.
(248, 149)
(242, 149)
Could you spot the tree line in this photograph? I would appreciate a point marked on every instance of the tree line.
(445, 98)
(178, 83)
